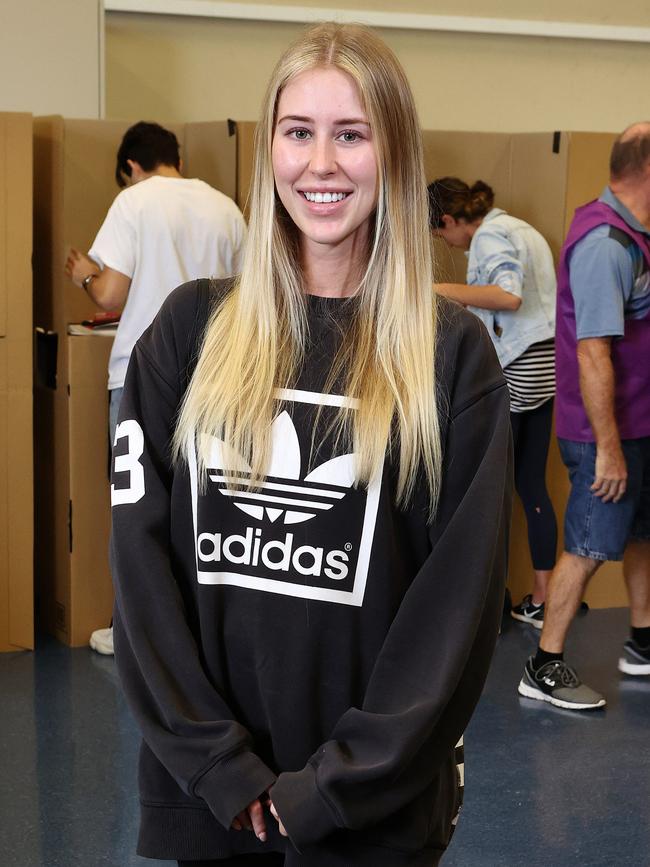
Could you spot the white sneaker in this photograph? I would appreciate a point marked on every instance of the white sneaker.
(101, 640)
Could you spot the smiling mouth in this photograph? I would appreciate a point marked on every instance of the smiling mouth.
(324, 198)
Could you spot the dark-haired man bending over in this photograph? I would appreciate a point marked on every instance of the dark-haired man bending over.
(161, 230)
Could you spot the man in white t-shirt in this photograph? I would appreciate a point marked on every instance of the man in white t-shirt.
(161, 231)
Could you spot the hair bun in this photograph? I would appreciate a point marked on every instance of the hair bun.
(482, 195)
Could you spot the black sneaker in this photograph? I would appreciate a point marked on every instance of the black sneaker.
(635, 659)
(559, 684)
(528, 612)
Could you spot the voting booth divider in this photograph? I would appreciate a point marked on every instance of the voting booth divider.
(541, 178)
(538, 177)
(16, 453)
(74, 178)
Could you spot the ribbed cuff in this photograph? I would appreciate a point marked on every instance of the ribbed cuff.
(303, 811)
(232, 784)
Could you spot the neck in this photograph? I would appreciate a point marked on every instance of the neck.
(635, 198)
(161, 172)
(471, 231)
(333, 271)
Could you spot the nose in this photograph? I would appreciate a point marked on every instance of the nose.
(323, 156)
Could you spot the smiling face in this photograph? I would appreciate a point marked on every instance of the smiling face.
(324, 162)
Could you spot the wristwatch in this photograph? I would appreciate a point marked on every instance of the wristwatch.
(85, 283)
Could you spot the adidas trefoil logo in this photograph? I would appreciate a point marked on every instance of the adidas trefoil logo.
(283, 494)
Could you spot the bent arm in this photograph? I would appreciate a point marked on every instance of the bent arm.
(108, 289)
(491, 297)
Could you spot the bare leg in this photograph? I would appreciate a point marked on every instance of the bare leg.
(564, 593)
(636, 566)
(542, 577)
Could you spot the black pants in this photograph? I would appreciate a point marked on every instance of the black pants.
(273, 859)
(531, 433)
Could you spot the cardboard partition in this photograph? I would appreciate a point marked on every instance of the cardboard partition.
(16, 514)
(75, 175)
(553, 174)
(76, 592)
(16, 247)
(16, 454)
(542, 178)
(539, 174)
(91, 592)
(209, 153)
(244, 132)
(469, 156)
(75, 179)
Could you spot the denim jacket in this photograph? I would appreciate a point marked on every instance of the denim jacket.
(510, 253)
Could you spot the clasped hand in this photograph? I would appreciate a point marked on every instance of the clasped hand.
(252, 818)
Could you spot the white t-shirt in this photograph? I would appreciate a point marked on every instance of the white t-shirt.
(162, 232)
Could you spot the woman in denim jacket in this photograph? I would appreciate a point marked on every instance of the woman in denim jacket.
(511, 286)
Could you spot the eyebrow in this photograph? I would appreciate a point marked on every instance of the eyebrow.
(346, 121)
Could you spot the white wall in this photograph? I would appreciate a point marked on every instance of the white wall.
(50, 56)
(182, 68)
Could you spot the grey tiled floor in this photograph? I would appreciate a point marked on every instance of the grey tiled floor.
(543, 786)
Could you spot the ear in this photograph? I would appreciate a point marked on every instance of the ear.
(449, 222)
(181, 166)
(136, 169)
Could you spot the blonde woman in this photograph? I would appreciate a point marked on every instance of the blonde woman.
(310, 503)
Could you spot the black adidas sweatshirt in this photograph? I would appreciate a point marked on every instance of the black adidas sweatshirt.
(309, 637)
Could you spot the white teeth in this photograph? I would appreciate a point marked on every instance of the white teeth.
(325, 198)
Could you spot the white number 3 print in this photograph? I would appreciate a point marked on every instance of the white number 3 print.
(129, 463)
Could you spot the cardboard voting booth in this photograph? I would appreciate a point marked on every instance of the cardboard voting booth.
(16, 454)
(74, 180)
(542, 178)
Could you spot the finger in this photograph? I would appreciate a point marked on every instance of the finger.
(599, 481)
(244, 820)
(257, 818)
(622, 487)
(236, 824)
(599, 490)
(274, 813)
(609, 491)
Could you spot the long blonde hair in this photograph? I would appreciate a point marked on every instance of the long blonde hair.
(255, 339)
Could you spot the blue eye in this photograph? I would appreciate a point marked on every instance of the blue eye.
(350, 137)
(299, 134)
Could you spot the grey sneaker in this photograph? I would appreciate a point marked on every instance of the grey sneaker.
(635, 659)
(559, 684)
(528, 612)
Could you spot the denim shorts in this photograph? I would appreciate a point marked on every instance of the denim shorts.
(602, 530)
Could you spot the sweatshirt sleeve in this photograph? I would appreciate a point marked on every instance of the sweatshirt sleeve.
(430, 672)
(183, 718)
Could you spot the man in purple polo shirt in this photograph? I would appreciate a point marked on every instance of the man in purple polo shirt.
(603, 418)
